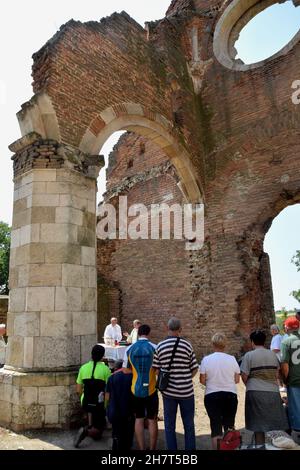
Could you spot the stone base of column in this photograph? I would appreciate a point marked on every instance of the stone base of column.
(38, 400)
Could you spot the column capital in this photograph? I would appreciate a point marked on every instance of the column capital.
(34, 152)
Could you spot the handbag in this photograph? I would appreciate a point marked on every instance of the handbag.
(231, 440)
(164, 374)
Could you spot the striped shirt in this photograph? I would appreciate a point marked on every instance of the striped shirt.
(184, 363)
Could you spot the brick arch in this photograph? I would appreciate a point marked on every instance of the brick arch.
(136, 118)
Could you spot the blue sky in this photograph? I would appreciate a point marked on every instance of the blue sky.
(26, 25)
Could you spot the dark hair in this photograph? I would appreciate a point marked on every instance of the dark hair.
(144, 330)
(258, 337)
(98, 352)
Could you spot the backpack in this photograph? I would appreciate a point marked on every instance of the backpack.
(230, 441)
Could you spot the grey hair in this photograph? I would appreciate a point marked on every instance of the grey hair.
(174, 324)
(2, 325)
(136, 321)
(275, 327)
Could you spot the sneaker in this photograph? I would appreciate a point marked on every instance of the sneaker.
(81, 434)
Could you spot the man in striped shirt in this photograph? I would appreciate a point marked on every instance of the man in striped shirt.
(180, 390)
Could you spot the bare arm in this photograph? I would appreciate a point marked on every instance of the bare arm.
(237, 378)
(285, 370)
(194, 372)
(245, 378)
(203, 379)
(276, 350)
(79, 389)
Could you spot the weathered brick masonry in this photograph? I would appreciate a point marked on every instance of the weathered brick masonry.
(228, 135)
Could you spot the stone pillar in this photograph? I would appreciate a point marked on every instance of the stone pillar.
(53, 297)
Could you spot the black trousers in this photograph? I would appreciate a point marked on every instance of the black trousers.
(221, 408)
(122, 433)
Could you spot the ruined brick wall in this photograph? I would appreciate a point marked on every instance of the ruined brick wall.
(154, 276)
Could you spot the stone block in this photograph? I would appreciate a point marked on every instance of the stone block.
(20, 206)
(89, 221)
(87, 343)
(43, 200)
(56, 324)
(56, 395)
(36, 253)
(84, 323)
(58, 233)
(42, 215)
(44, 175)
(70, 200)
(40, 299)
(65, 378)
(56, 353)
(5, 413)
(27, 324)
(24, 395)
(17, 298)
(14, 278)
(62, 253)
(68, 299)
(33, 379)
(89, 299)
(75, 276)
(88, 256)
(29, 234)
(28, 416)
(21, 255)
(51, 414)
(15, 238)
(86, 237)
(44, 275)
(28, 351)
(21, 218)
(15, 351)
(68, 215)
(92, 277)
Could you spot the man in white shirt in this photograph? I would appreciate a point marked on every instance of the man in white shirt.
(276, 340)
(2, 345)
(113, 331)
(133, 337)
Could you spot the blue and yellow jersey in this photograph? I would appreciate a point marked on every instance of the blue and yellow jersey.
(140, 356)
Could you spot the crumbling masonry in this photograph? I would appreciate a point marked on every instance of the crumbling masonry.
(213, 129)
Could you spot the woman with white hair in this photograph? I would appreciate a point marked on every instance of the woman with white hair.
(220, 373)
(2, 345)
(276, 340)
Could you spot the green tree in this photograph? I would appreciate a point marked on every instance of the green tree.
(4, 257)
(296, 262)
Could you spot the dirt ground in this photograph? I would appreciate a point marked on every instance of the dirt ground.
(63, 440)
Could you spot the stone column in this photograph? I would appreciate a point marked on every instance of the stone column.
(52, 310)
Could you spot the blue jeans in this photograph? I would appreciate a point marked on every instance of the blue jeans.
(187, 411)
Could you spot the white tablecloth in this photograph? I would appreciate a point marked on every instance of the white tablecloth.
(114, 352)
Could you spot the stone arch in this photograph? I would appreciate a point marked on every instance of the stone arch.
(232, 21)
(135, 118)
(38, 115)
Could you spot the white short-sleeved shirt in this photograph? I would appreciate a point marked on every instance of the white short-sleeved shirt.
(113, 332)
(220, 369)
(276, 342)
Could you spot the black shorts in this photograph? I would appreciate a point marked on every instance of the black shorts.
(221, 409)
(145, 407)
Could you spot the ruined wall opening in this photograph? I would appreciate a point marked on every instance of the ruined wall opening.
(281, 243)
(251, 32)
(148, 279)
(268, 32)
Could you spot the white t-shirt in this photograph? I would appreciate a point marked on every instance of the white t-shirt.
(276, 342)
(219, 369)
(113, 332)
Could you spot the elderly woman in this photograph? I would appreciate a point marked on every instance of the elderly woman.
(220, 373)
(276, 340)
(263, 406)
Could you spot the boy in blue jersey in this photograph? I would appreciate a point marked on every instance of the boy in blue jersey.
(143, 388)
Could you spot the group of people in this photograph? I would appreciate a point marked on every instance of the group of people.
(131, 400)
